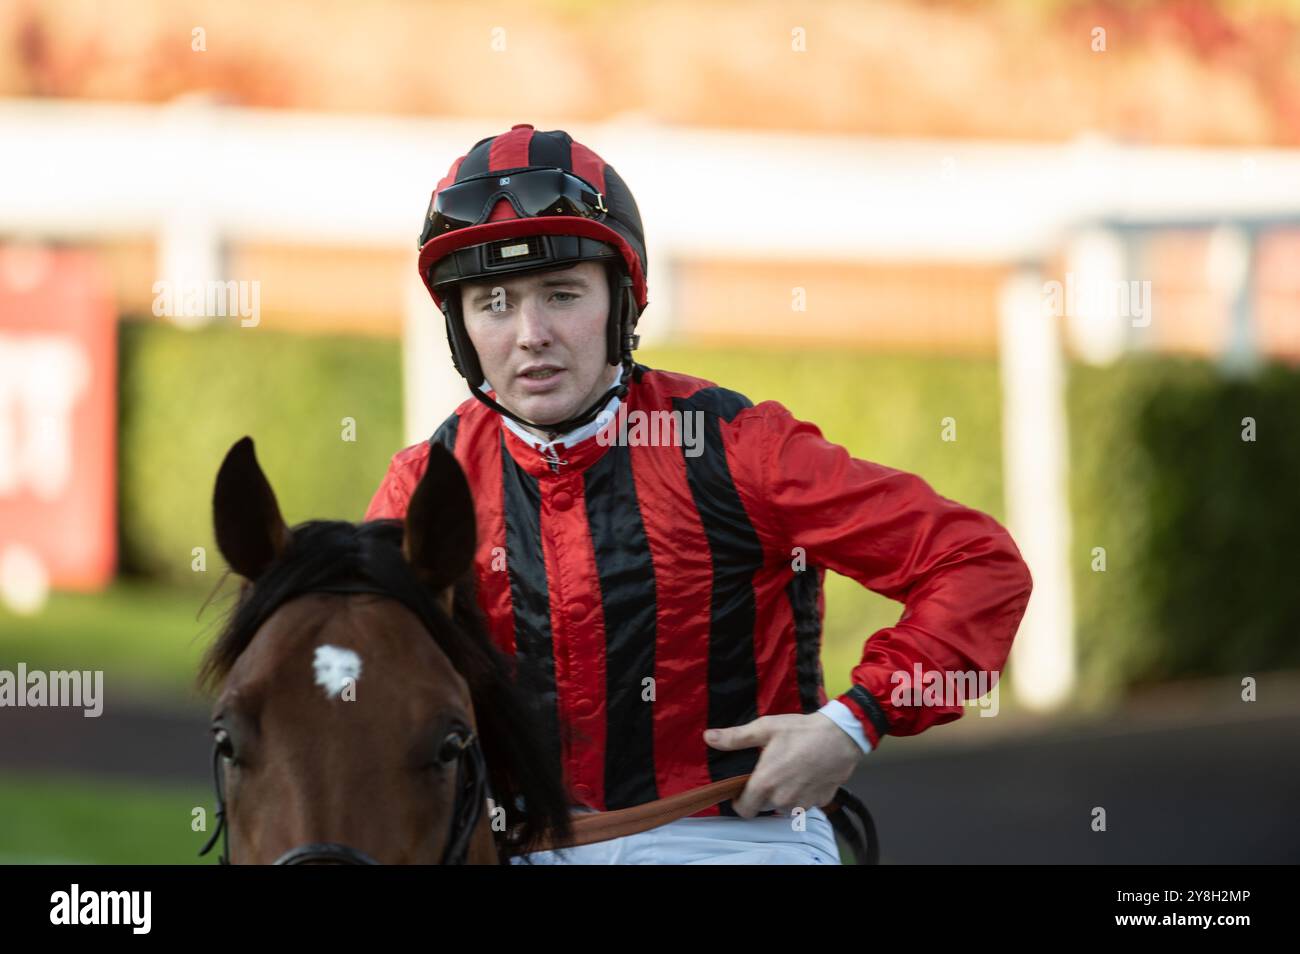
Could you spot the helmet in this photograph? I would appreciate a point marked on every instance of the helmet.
(527, 201)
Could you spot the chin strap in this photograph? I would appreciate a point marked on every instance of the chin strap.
(586, 417)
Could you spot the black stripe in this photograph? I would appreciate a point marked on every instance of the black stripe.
(550, 149)
(627, 592)
(528, 595)
(716, 401)
(622, 206)
(476, 160)
(872, 708)
(802, 593)
(446, 433)
(737, 555)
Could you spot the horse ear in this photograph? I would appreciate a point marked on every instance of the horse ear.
(440, 523)
(250, 531)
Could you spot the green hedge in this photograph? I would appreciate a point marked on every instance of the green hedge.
(1199, 526)
(186, 396)
(1196, 523)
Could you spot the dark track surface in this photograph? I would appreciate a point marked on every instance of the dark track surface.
(1206, 794)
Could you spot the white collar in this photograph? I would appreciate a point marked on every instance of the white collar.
(574, 436)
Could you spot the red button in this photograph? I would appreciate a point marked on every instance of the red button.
(562, 501)
(582, 790)
(580, 609)
(584, 707)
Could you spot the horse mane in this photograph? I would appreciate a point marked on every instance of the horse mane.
(324, 553)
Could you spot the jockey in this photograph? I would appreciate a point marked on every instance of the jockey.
(663, 599)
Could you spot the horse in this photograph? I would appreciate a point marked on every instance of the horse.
(360, 701)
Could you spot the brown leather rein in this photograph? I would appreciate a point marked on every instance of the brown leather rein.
(592, 827)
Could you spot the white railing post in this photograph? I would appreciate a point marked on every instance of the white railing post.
(1035, 467)
(431, 388)
(190, 251)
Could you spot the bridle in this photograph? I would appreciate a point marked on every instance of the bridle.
(471, 793)
(472, 787)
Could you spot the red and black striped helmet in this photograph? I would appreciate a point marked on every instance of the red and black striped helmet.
(526, 201)
(524, 148)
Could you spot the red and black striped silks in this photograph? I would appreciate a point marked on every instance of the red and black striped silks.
(651, 591)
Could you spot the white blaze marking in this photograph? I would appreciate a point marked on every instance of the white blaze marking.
(334, 667)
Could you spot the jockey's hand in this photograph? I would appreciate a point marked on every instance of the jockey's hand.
(805, 758)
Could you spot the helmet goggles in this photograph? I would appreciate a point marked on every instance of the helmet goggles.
(530, 191)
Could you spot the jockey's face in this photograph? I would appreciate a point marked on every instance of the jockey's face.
(555, 318)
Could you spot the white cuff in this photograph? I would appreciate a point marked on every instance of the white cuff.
(843, 717)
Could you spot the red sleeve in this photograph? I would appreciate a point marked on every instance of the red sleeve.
(960, 577)
(395, 489)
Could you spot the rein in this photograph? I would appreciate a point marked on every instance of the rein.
(592, 827)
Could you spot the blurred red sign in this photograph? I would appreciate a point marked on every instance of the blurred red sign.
(58, 369)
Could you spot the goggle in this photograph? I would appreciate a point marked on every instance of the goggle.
(532, 192)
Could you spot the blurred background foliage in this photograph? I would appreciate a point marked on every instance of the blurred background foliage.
(1198, 524)
(181, 396)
